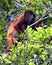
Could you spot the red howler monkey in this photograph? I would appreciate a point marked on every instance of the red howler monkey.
(19, 25)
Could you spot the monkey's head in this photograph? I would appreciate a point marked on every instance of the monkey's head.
(29, 17)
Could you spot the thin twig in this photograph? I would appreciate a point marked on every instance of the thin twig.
(49, 9)
(18, 4)
(24, 3)
(43, 17)
(40, 20)
(44, 6)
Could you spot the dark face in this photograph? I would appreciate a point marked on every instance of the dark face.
(29, 17)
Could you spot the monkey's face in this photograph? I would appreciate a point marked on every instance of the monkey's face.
(29, 17)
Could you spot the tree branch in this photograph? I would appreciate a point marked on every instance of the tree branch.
(45, 16)
(42, 18)
(18, 4)
(49, 9)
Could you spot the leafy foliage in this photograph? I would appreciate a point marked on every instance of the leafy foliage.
(2, 34)
(34, 47)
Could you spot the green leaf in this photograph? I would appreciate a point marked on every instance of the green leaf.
(31, 63)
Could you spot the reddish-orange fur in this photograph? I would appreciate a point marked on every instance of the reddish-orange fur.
(19, 25)
(12, 31)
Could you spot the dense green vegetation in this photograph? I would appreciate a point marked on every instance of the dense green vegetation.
(34, 47)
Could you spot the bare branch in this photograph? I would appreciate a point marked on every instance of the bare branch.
(42, 18)
(45, 16)
(44, 6)
(49, 9)
(18, 4)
